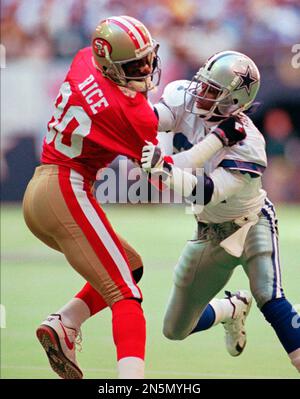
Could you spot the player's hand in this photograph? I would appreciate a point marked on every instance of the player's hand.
(230, 131)
(152, 157)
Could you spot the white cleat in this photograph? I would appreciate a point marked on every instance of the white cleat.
(235, 332)
(59, 344)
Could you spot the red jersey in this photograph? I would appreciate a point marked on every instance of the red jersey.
(95, 121)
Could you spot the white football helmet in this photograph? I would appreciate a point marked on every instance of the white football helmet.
(234, 80)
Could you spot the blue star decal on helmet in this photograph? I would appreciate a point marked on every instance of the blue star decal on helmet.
(246, 80)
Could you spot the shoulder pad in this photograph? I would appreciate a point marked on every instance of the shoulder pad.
(173, 95)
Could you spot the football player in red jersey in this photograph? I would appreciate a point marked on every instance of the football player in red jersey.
(100, 112)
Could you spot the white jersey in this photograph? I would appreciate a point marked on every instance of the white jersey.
(236, 171)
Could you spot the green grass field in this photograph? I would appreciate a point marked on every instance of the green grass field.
(36, 281)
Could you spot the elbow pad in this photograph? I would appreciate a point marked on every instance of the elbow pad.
(203, 190)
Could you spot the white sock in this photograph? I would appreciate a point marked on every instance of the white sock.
(223, 310)
(131, 368)
(74, 313)
(295, 358)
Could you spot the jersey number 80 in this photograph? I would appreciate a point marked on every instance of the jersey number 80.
(68, 131)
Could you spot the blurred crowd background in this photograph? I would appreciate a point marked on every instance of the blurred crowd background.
(40, 37)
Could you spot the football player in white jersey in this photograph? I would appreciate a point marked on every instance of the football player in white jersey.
(236, 222)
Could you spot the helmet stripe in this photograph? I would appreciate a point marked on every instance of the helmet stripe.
(131, 30)
(218, 56)
(136, 24)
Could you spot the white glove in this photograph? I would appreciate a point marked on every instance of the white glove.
(175, 178)
(152, 157)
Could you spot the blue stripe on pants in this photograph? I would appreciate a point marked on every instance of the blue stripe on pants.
(269, 213)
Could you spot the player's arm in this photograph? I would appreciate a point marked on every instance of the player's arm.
(227, 183)
(219, 186)
(185, 183)
(227, 134)
(173, 177)
(166, 117)
(170, 104)
(203, 189)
